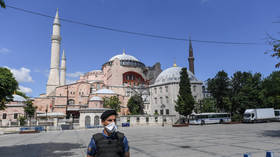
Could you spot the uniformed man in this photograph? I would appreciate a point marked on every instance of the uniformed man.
(109, 143)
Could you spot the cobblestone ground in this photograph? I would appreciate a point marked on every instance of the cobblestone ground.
(219, 140)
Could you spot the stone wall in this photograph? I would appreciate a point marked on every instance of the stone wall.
(145, 120)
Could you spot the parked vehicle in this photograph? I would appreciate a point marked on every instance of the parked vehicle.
(209, 118)
(259, 115)
(277, 114)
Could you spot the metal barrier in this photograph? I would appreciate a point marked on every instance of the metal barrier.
(268, 154)
(125, 124)
(35, 129)
(94, 126)
(66, 127)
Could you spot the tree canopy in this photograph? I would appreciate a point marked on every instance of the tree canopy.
(29, 110)
(243, 91)
(2, 3)
(275, 49)
(219, 88)
(207, 105)
(135, 105)
(185, 101)
(112, 102)
(8, 85)
(270, 93)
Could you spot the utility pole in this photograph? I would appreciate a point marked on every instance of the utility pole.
(67, 102)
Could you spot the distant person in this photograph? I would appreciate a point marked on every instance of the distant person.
(109, 143)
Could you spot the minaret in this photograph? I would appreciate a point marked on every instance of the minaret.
(53, 80)
(191, 58)
(63, 69)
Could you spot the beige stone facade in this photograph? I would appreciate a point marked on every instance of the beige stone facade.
(122, 75)
(14, 110)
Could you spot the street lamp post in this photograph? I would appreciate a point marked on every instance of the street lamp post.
(67, 102)
(162, 107)
(46, 116)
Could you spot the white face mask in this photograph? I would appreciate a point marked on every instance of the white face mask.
(111, 128)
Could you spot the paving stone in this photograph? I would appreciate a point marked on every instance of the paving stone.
(154, 141)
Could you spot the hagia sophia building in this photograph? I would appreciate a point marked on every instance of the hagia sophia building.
(122, 75)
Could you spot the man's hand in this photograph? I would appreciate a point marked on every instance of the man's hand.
(126, 154)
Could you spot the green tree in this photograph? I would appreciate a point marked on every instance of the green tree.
(2, 3)
(219, 89)
(270, 93)
(207, 105)
(29, 110)
(135, 105)
(275, 49)
(21, 120)
(113, 102)
(245, 91)
(8, 85)
(185, 101)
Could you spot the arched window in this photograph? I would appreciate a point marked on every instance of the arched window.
(167, 101)
(96, 120)
(167, 111)
(87, 121)
(132, 78)
(4, 116)
(71, 102)
(194, 88)
(15, 115)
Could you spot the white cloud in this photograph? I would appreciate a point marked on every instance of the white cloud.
(22, 74)
(25, 89)
(70, 81)
(4, 51)
(203, 1)
(76, 74)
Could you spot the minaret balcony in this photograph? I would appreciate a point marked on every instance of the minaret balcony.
(56, 37)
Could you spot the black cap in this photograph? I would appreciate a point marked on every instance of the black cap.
(108, 113)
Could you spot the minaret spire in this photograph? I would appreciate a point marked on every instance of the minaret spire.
(56, 19)
(53, 80)
(191, 58)
(63, 70)
(174, 65)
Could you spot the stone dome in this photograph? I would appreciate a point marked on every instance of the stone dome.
(124, 57)
(18, 98)
(172, 75)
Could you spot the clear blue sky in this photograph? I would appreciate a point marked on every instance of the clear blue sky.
(25, 38)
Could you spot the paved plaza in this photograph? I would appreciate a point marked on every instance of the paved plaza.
(219, 140)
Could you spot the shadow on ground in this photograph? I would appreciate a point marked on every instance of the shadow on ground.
(39, 150)
(271, 133)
